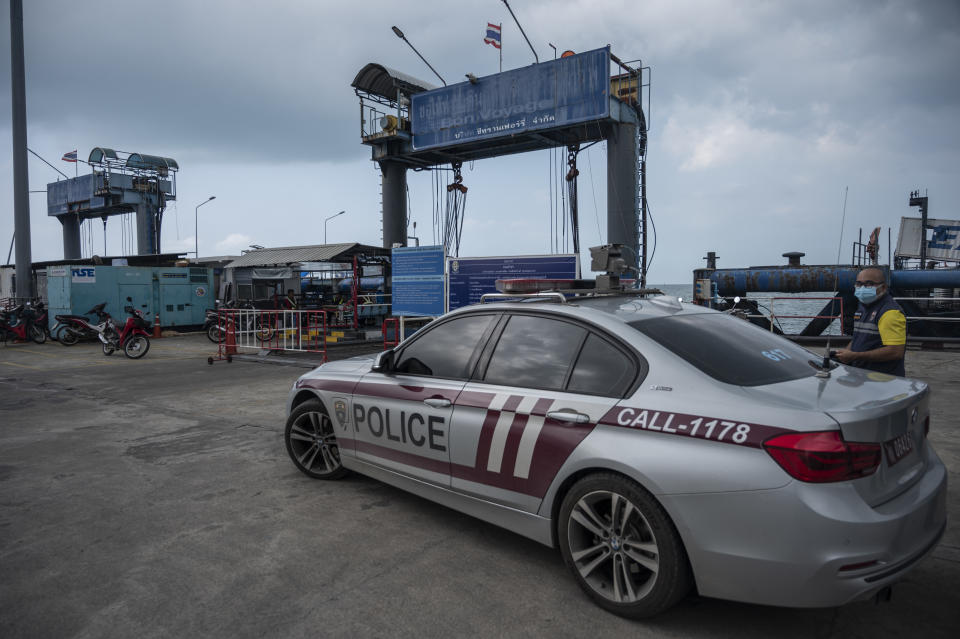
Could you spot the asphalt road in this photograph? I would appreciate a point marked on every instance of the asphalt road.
(154, 498)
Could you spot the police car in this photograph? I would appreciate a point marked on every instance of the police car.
(662, 446)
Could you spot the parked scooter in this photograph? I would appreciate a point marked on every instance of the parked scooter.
(20, 324)
(40, 317)
(70, 329)
(133, 337)
(212, 326)
(245, 322)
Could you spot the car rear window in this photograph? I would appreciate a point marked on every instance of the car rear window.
(730, 349)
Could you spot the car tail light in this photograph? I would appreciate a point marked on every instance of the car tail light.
(823, 457)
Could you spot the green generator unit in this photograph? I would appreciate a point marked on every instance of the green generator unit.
(181, 295)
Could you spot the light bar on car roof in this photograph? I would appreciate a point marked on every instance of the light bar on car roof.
(521, 286)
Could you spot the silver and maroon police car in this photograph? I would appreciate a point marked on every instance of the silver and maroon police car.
(662, 446)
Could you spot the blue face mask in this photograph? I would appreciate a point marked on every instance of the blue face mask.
(866, 294)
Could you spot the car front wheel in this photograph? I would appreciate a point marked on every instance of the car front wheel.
(622, 547)
(311, 442)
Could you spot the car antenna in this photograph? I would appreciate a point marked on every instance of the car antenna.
(825, 367)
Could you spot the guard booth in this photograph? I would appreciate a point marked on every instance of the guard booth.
(350, 280)
(180, 295)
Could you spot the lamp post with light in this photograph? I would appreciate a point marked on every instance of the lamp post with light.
(196, 226)
(325, 224)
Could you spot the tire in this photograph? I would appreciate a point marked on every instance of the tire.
(67, 336)
(631, 563)
(37, 334)
(136, 346)
(214, 333)
(264, 332)
(107, 348)
(312, 443)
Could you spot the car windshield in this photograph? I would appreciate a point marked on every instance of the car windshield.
(729, 349)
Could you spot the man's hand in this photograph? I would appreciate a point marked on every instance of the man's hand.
(882, 354)
(845, 355)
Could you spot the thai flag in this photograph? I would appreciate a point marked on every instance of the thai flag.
(70, 156)
(493, 35)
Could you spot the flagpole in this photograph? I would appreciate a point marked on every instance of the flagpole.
(501, 47)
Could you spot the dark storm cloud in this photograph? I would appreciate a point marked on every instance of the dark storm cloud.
(762, 111)
(239, 81)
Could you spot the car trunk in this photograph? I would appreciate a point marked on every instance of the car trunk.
(868, 408)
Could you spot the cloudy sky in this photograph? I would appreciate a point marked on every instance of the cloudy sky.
(762, 114)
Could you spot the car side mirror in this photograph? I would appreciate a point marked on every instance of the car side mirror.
(383, 362)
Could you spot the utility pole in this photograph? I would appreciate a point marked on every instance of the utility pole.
(21, 194)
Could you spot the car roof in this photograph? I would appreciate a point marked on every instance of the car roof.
(625, 308)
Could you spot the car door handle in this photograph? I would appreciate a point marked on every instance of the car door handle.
(569, 417)
(437, 402)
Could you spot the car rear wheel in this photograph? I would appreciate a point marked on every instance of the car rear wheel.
(622, 547)
(311, 442)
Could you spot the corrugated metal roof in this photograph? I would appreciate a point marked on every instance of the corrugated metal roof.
(287, 255)
(383, 81)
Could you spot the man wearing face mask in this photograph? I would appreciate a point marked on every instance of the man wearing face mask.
(880, 334)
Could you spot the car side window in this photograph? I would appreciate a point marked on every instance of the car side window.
(535, 352)
(601, 369)
(444, 350)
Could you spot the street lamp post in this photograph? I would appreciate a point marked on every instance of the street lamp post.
(196, 226)
(325, 224)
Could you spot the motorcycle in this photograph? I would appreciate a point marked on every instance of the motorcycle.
(133, 337)
(245, 322)
(40, 319)
(20, 324)
(70, 329)
(212, 325)
(76, 327)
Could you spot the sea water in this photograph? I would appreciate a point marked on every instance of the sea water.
(783, 306)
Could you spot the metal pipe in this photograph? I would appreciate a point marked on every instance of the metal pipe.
(535, 56)
(404, 38)
(809, 279)
(47, 163)
(21, 195)
(940, 278)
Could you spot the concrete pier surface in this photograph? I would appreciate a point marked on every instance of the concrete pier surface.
(154, 498)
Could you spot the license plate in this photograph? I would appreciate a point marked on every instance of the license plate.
(898, 448)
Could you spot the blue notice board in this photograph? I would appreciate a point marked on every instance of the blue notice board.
(471, 277)
(551, 94)
(418, 280)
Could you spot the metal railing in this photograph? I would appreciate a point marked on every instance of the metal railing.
(774, 318)
(255, 329)
(940, 303)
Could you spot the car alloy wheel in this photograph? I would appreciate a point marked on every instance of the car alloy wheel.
(311, 442)
(622, 547)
